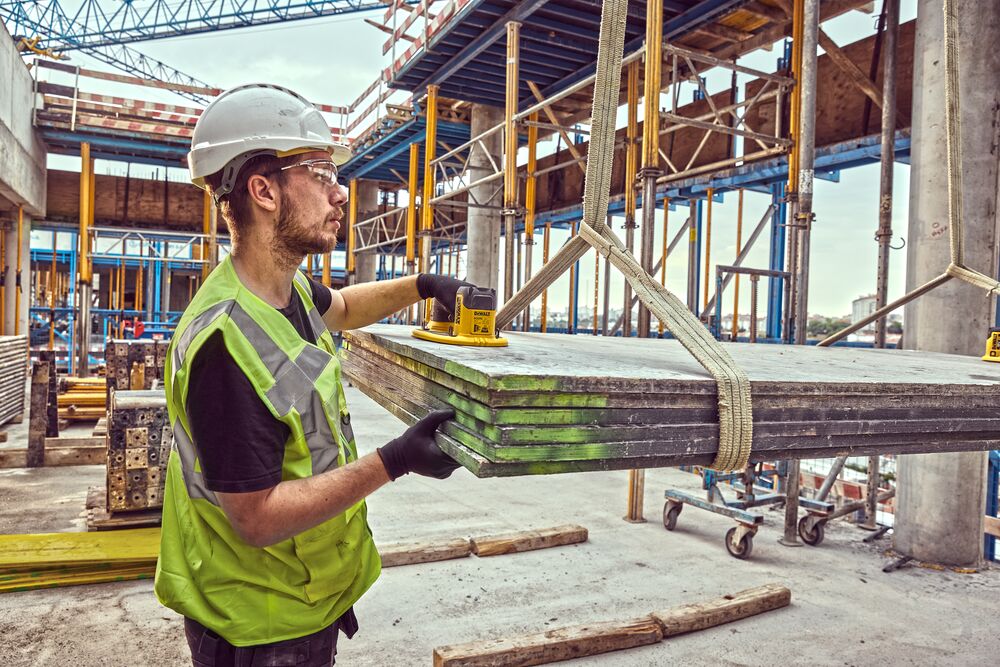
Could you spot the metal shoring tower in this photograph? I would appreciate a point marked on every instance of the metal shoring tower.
(805, 147)
(510, 209)
(650, 172)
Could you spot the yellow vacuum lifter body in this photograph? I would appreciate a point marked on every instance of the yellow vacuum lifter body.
(993, 346)
(474, 322)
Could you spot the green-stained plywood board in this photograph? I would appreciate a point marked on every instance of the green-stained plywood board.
(572, 403)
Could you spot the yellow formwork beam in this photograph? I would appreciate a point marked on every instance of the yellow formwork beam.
(17, 271)
(510, 180)
(531, 183)
(411, 205)
(651, 86)
(352, 218)
(79, 549)
(631, 138)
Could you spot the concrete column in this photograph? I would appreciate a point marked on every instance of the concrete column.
(941, 497)
(366, 263)
(365, 267)
(484, 224)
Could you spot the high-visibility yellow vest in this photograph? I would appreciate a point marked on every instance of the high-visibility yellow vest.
(251, 595)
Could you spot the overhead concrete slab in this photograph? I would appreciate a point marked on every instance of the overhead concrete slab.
(22, 153)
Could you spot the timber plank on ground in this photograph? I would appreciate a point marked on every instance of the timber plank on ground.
(394, 555)
(552, 645)
(510, 543)
(594, 638)
(701, 615)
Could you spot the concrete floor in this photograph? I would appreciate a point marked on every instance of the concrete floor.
(844, 610)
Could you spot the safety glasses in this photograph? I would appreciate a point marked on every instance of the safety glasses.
(325, 171)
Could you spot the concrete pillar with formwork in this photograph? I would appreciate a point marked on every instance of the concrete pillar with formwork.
(366, 263)
(23, 185)
(483, 225)
(17, 263)
(941, 497)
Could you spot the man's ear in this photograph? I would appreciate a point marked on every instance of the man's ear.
(262, 192)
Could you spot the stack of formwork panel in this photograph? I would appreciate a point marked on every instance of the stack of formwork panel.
(134, 364)
(554, 403)
(139, 441)
(13, 376)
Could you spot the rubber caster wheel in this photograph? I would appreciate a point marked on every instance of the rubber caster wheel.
(812, 537)
(670, 513)
(745, 547)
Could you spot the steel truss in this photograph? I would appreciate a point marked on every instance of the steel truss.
(98, 23)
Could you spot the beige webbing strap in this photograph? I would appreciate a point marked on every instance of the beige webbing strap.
(954, 142)
(735, 406)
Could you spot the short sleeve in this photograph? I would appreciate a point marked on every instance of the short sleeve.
(321, 296)
(240, 444)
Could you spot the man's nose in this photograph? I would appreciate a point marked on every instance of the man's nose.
(338, 195)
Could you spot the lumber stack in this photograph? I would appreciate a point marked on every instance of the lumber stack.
(13, 376)
(82, 399)
(139, 441)
(29, 562)
(551, 403)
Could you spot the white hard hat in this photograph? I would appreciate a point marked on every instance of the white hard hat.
(256, 119)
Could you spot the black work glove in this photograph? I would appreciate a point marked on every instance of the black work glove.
(441, 288)
(416, 451)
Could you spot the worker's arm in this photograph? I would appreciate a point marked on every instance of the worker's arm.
(359, 305)
(263, 518)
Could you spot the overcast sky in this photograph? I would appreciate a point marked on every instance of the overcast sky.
(332, 60)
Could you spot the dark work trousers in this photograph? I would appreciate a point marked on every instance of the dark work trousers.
(210, 650)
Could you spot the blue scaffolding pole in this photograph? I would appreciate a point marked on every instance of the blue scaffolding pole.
(992, 502)
(776, 285)
(71, 361)
(696, 306)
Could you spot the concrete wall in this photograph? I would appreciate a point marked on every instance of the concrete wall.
(22, 153)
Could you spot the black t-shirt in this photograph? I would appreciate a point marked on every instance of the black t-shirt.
(239, 442)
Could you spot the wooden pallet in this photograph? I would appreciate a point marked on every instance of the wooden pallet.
(98, 517)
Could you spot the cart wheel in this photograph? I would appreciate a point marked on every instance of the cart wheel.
(811, 537)
(745, 547)
(671, 511)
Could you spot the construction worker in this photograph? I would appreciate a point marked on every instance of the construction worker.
(265, 544)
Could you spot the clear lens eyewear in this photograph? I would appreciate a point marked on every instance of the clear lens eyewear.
(325, 171)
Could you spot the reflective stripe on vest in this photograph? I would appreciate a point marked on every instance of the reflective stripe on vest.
(293, 388)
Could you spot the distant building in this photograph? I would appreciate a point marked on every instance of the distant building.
(861, 308)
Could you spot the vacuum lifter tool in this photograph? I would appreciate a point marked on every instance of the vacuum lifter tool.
(474, 322)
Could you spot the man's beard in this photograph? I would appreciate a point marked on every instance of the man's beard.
(295, 238)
